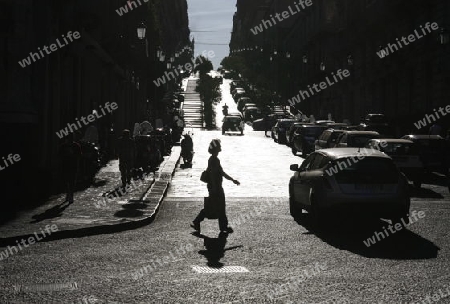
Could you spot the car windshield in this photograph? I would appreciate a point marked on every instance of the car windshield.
(233, 119)
(370, 170)
(335, 135)
(399, 149)
(376, 118)
(315, 132)
(285, 124)
(361, 140)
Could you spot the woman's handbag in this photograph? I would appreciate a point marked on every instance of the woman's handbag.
(211, 209)
(204, 177)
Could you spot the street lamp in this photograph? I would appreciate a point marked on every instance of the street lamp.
(443, 36)
(288, 55)
(350, 60)
(141, 30)
(305, 59)
(322, 66)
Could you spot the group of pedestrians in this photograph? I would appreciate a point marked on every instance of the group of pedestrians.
(70, 153)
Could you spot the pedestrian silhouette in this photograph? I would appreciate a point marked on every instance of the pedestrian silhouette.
(215, 190)
(70, 154)
(126, 151)
(187, 150)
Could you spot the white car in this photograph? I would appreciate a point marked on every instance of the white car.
(358, 180)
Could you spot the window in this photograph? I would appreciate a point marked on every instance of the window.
(319, 162)
(306, 165)
(324, 135)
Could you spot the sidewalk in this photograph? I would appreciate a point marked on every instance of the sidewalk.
(92, 212)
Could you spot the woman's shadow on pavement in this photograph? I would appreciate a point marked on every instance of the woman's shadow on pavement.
(215, 249)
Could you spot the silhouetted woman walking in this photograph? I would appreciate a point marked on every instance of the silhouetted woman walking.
(215, 189)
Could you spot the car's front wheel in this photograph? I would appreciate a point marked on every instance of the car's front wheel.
(294, 150)
(294, 209)
(316, 213)
(303, 152)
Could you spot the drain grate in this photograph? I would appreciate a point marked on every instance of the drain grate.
(224, 269)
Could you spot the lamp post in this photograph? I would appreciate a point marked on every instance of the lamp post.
(322, 66)
(444, 36)
(141, 31)
(350, 60)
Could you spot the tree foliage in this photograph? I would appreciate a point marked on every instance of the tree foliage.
(209, 89)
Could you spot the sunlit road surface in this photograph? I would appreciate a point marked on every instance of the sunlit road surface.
(261, 166)
(269, 258)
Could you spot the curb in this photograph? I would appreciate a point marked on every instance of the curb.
(156, 193)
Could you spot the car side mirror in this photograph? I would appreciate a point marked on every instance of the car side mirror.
(294, 167)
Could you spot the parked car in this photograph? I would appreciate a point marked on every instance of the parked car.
(327, 139)
(227, 74)
(280, 128)
(232, 124)
(292, 130)
(404, 154)
(324, 122)
(356, 139)
(251, 113)
(237, 93)
(244, 102)
(325, 183)
(337, 125)
(305, 138)
(237, 114)
(433, 152)
(235, 84)
(377, 123)
(266, 123)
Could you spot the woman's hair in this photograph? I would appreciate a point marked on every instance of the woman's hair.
(214, 146)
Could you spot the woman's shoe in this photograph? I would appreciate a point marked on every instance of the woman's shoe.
(228, 230)
(196, 226)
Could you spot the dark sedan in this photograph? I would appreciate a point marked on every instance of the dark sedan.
(305, 137)
(432, 151)
(280, 129)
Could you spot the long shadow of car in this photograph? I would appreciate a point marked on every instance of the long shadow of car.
(351, 234)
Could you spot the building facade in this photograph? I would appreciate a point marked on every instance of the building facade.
(330, 35)
(108, 63)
